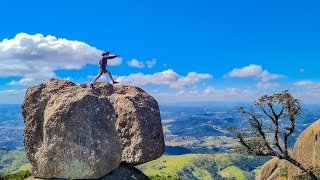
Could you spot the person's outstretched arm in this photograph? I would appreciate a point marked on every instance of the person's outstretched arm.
(111, 57)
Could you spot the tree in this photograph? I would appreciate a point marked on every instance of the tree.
(272, 121)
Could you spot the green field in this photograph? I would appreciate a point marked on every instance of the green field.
(11, 161)
(203, 166)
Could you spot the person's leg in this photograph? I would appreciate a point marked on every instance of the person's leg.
(96, 79)
(110, 75)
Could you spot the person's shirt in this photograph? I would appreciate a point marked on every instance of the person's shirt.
(104, 61)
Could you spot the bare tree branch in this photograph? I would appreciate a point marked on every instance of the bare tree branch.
(257, 140)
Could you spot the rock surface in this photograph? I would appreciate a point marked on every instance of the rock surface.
(121, 173)
(74, 132)
(306, 150)
(271, 170)
(138, 122)
(126, 173)
(139, 125)
(69, 133)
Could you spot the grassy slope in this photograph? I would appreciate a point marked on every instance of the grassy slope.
(173, 165)
(202, 166)
(25, 167)
(233, 171)
(11, 161)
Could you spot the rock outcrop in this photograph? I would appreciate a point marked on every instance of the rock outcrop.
(74, 132)
(125, 173)
(272, 170)
(306, 150)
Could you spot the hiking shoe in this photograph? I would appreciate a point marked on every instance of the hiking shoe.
(115, 82)
(91, 85)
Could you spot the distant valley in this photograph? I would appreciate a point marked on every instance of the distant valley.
(199, 129)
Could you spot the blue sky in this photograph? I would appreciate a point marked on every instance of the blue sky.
(198, 50)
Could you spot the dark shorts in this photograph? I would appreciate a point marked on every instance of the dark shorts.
(101, 71)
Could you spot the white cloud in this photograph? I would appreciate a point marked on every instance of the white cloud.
(228, 92)
(254, 71)
(139, 64)
(26, 81)
(267, 85)
(135, 63)
(35, 58)
(102, 77)
(11, 96)
(308, 91)
(157, 93)
(308, 83)
(33, 80)
(11, 92)
(115, 62)
(251, 70)
(68, 78)
(168, 77)
(209, 93)
(191, 78)
(267, 76)
(151, 63)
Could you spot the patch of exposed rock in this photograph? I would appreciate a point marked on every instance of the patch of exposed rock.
(272, 170)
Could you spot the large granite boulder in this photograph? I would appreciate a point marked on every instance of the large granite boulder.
(306, 150)
(69, 132)
(75, 132)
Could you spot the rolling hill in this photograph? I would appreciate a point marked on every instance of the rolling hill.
(203, 166)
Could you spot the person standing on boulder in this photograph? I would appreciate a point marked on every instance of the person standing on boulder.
(103, 68)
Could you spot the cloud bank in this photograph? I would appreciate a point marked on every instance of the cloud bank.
(167, 77)
(36, 57)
